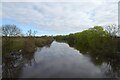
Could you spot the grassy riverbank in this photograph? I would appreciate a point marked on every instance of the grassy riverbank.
(20, 50)
(28, 44)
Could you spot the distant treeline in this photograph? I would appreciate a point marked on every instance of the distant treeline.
(95, 40)
(10, 30)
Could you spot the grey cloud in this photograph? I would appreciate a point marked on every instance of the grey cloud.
(62, 16)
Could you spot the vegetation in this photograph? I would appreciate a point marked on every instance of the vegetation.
(13, 40)
(19, 49)
(103, 45)
(96, 41)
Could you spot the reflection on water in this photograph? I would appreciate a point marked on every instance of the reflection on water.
(57, 60)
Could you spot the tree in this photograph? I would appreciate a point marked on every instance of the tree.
(119, 30)
(31, 33)
(112, 29)
(10, 30)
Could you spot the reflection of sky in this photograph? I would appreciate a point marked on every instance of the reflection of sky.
(61, 61)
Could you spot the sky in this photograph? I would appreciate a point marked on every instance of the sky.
(58, 17)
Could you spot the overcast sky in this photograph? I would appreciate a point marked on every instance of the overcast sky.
(53, 18)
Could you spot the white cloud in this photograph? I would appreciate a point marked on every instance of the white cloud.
(63, 16)
(94, 1)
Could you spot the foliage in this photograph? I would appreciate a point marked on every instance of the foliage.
(95, 40)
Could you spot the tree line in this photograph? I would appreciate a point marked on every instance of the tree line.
(13, 31)
(99, 40)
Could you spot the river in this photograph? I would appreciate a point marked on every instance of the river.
(59, 60)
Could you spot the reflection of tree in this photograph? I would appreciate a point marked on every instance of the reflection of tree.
(12, 65)
(14, 60)
(28, 58)
(48, 45)
(112, 69)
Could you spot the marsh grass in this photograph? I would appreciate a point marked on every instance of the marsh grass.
(27, 44)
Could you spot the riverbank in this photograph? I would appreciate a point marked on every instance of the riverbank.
(59, 60)
(10, 44)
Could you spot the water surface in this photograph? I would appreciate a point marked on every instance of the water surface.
(58, 60)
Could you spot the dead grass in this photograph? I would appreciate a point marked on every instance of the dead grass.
(28, 44)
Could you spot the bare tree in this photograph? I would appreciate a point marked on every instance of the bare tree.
(31, 33)
(10, 30)
(112, 29)
(34, 33)
(119, 30)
